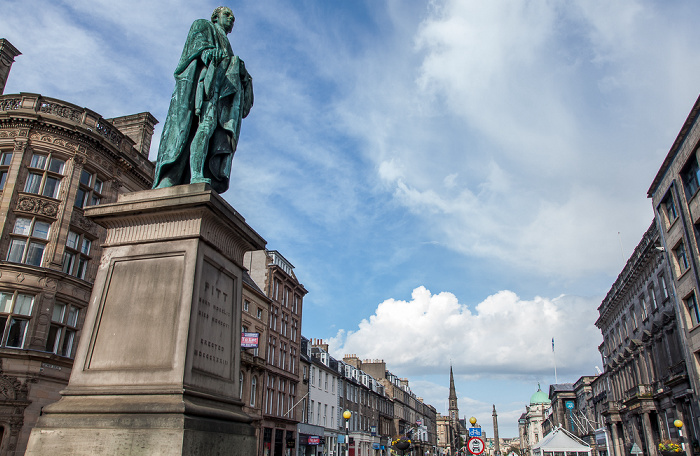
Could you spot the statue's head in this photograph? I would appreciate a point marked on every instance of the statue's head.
(224, 17)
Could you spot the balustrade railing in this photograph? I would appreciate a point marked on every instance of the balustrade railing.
(641, 390)
(57, 108)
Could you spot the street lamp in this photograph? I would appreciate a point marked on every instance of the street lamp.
(679, 425)
(347, 414)
(472, 420)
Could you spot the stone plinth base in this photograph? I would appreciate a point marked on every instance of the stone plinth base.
(158, 363)
(142, 434)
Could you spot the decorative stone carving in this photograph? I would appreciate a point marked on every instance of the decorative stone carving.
(9, 133)
(108, 131)
(49, 284)
(54, 140)
(20, 277)
(37, 205)
(10, 104)
(85, 224)
(20, 146)
(61, 111)
(7, 390)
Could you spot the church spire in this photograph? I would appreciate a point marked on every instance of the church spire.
(453, 409)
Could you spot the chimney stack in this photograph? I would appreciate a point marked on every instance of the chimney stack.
(138, 127)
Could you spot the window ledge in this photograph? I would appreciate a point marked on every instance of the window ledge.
(673, 222)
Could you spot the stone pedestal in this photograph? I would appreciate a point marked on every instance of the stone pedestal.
(157, 367)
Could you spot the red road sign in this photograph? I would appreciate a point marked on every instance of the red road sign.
(476, 446)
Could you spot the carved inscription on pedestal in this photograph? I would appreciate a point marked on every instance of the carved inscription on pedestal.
(213, 346)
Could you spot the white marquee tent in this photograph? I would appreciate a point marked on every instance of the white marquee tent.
(560, 442)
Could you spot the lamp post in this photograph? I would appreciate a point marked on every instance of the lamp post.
(347, 414)
(472, 420)
(679, 425)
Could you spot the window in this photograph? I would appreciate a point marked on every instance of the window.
(689, 175)
(246, 304)
(664, 288)
(260, 313)
(669, 208)
(29, 238)
(253, 390)
(76, 255)
(45, 174)
(643, 306)
(89, 191)
(15, 310)
(692, 303)
(681, 257)
(5, 160)
(652, 295)
(240, 384)
(64, 326)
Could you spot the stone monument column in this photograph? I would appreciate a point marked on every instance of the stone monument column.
(496, 439)
(157, 367)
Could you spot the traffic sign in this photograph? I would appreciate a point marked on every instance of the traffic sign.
(474, 432)
(476, 446)
(569, 405)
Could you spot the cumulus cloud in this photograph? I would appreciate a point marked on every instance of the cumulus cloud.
(502, 336)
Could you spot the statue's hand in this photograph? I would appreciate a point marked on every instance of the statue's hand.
(217, 55)
(220, 55)
(207, 56)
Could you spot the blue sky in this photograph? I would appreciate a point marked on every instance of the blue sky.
(455, 181)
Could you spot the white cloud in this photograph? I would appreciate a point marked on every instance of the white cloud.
(502, 335)
(526, 132)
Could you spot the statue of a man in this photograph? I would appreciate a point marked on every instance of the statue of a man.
(213, 92)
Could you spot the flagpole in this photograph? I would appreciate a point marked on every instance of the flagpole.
(554, 355)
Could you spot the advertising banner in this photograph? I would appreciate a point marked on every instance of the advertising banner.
(249, 340)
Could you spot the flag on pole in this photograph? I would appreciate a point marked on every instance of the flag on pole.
(552, 343)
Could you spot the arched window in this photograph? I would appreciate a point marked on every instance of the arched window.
(253, 390)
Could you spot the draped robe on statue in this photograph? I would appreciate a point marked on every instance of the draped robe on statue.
(224, 91)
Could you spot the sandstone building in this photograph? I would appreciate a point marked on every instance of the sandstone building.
(275, 277)
(647, 382)
(254, 319)
(530, 424)
(676, 204)
(55, 159)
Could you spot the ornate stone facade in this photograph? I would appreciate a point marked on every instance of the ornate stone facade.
(674, 193)
(56, 158)
(646, 375)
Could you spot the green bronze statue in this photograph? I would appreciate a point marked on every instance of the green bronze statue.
(213, 92)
